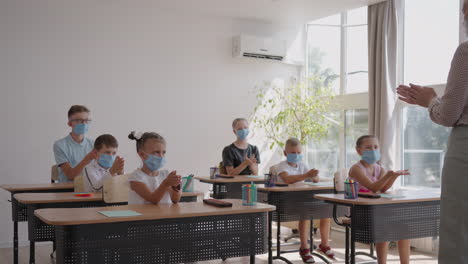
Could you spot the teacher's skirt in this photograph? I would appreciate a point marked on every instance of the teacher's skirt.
(454, 200)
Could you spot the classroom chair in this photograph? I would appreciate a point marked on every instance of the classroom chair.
(54, 172)
(116, 189)
(339, 178)
(78, 184)
(222, 168)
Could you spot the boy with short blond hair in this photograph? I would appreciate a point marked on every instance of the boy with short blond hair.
(294, 170)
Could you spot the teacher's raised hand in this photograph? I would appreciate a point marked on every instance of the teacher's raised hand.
(416, 94)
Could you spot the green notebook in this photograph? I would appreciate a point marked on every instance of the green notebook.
(121, 213)
(390, 196)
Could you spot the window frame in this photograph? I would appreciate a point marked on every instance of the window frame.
(439, 88)
(343, 101)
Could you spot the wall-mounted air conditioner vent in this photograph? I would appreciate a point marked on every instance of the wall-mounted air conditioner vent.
(258, 47)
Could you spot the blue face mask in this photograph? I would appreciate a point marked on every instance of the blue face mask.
(106, 160)
(371, 156)
(294, 158)
(154, 163)
(242, 133)
(80, 129)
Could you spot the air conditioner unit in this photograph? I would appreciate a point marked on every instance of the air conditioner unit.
(258, 47)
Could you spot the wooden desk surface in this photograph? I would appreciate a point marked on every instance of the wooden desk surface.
(236, 179)
(296, 187)
(409, 197)
(65, 197)
(190, 194)
(37, 187)
(69, 197)
(80, 216)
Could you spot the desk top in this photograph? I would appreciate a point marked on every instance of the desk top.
(296, 187)
(408, 197)
(65, 197)
(69, 197)
(236, 179)
(80, 216)
(37, 187)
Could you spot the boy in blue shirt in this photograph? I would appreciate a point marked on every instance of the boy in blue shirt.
(74, 152)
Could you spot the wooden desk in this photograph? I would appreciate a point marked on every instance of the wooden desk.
(297, 202)
(298, 187)
(165, 233)
(229, 187)
(18, 210)
(415, 215)
(44, 198)
(38, 230)
(37, 187)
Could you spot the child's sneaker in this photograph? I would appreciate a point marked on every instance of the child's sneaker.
(326, 251)
(306, 256)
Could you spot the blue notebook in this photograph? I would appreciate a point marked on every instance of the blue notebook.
(121, 213)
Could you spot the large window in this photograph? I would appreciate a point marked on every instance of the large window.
(424, 148)
(337, 49)
(431, 36)
(356, 125)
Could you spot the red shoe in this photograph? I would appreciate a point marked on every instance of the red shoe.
(326, 251)
(306, 256)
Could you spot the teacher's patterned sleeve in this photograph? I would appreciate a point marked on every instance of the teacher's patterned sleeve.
(452, 108)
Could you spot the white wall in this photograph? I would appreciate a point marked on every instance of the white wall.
(135, 67)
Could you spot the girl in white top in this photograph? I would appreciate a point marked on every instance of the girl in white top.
(149, 184)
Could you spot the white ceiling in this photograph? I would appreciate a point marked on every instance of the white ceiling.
(273, 11)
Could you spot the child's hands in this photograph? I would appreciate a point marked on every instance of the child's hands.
(92, 155)
(312, 173)
(118, 166)
(315, 179)
(398, 173)
(173, 179)
(250, 160)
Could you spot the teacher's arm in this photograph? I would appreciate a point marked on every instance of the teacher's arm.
(448, 110)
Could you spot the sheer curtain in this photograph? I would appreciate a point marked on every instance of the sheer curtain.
(384, 77)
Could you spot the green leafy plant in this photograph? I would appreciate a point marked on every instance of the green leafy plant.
(301, 110)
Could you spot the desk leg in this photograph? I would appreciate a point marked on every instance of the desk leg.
(347, 246)
(32, 252)
(270, 238)
(15, 242)
(353, 238)
(311, 234)
(278, 241)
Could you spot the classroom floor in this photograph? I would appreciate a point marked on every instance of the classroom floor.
(43, 250)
